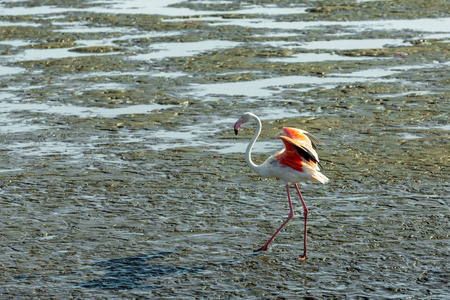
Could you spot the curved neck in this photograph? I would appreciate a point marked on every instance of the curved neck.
(248, 157)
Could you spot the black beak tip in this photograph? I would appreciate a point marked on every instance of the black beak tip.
(236, 131)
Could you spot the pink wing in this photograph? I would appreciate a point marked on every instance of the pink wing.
(300, 146)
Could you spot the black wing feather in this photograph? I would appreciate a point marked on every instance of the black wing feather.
(307, 154)
(314, 141)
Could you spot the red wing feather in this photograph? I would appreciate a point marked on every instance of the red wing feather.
(295, 151)
(303, 137)
(290, 157)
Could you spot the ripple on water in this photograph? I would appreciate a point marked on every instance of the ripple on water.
(91, 210)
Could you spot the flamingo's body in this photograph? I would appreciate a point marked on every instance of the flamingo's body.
(297, 162)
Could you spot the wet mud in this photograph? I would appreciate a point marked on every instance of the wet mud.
(122, 177)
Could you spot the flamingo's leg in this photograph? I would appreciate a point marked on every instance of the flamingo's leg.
(291, 214)
(305, 213)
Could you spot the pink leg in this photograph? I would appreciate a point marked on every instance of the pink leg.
(305, 213)
(291, 214)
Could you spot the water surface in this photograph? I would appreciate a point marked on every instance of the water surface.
(122, 177)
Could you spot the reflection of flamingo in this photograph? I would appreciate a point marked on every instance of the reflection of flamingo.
(297, 162)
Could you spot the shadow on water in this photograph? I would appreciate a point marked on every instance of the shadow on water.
(129, 272)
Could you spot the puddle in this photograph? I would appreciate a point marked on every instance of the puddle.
(116, 74)
(265, 9)
(445, 127)
(45, 54)
(36, 10)
(270, 86)
(6, 96)
(315, 57)
(164, 7)
(10, 125)
(369, 73)
(423, 25)
(341, 44)
(260, 147)
(11, 170)
(161, 50)
(409, 136)
(410, 93)
(82, 112)
(351, 44)
(85, 27)
(15, 43)
(24, 24)
(57, 53)
(4, 71)
(60, 53)
(155, 7)
(164, 50)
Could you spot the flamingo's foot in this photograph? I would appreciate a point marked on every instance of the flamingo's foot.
(263, 248)
(303, 257)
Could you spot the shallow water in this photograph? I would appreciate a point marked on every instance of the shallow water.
(122, 177)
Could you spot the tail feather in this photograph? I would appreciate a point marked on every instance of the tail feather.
(317, 176)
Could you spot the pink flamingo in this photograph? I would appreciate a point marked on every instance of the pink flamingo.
(297, 162)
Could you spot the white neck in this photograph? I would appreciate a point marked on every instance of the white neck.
(248, 158)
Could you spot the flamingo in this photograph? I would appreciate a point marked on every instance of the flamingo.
(297, 162)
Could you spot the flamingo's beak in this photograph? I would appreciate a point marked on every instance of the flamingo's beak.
(237, 125)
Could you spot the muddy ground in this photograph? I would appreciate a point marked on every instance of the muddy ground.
(110, 207)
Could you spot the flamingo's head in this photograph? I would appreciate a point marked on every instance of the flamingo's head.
(243, 119)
